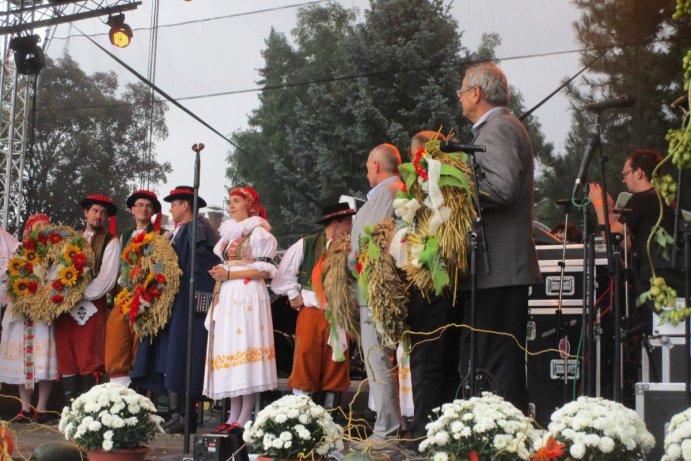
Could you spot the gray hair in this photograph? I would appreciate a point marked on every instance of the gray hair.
(492, 83)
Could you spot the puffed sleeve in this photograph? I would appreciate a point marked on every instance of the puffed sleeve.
(264, 247)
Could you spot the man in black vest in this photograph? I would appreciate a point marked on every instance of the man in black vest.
(321, 362)
(121, 343)
(80, 333)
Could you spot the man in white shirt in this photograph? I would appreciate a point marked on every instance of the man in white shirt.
(317, 365)
(80, 333)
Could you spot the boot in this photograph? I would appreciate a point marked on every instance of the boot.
(177, 425)
(87, 382)
(174, 409)
(71, 385)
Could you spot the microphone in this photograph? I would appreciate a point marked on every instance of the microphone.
(452, 146)
(620, 102)
(590, 146)
(681, 100)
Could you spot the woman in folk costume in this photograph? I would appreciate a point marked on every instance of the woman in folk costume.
(27, 351)
(240, 354)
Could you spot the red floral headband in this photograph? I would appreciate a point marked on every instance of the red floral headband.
(254, 205)
(35, 218)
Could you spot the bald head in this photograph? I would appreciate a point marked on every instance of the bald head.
(422, 137)
(382, 163)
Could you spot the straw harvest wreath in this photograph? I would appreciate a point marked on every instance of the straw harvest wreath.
(49, 272)
(149, 282)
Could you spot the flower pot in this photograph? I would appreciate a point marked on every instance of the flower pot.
(123, 454)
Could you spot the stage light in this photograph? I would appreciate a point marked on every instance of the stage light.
(28, 56)
(120, 33)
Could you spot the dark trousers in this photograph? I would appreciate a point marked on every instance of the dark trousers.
(503, 309)
(433, 358)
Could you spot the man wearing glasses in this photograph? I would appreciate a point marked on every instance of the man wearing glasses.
(121, 343)
(637, 176)
(506, 186)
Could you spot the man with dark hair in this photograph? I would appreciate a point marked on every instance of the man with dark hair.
(637, 176)
(161, 364)
(506, 186)
(317, 365)
(80, 333)
(121, 342)
(382, 174)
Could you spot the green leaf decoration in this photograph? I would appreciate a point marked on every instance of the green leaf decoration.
(453, 182)
(430, 258)
(407, 171)
(462, 156)
(373, 251)
(643, 298)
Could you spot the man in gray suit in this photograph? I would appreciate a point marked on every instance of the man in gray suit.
(382, 173)
(506, 185)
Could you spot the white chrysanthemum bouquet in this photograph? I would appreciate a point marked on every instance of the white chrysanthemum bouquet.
(486, 427)
(110, 417)
(294, 426)
(595, 429)
(678, 438)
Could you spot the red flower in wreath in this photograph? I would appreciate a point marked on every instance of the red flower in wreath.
(139, 238)
(42, 238)
(57, 298)
(160, 278)
(29, 244)
(29, 268)
(54, 238)
(551, 451)
(79, 260)
(472, 456)
(57, 285)
(33, 287)
(358, 268)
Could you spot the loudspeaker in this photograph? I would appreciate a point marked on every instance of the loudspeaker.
(545, 371)
(220, 447)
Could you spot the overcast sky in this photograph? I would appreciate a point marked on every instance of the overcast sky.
(222, 55)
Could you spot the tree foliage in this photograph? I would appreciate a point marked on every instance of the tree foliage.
(90, 139)
(341, 86)
(643, 49)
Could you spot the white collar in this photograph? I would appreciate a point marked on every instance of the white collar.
(384, 182)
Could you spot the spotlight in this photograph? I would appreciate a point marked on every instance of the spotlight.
(28, 56)
(120, 33)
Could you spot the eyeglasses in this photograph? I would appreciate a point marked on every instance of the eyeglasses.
(146, 206)
(461, 91)
(624, 174)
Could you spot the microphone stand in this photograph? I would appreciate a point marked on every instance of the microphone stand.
(614, 265)
(561, 327)
(190, 306)
(587, 336)
(477, 241)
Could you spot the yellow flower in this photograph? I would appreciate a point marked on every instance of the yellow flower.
(123, 300)
(70, 252)
(30, 255)
(21, 286)
(15, 265)
(151, 277)
(68, 276)
(148, 238)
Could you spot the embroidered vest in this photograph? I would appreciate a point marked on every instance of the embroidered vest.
(98, 244)
(313, 247)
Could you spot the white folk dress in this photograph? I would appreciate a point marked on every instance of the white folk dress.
(240, 352)
(27, 348)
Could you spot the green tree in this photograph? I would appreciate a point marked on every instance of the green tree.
(344, 87)
(644, 48)
(89, 139)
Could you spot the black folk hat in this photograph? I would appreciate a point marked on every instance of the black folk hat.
(183, 192)
(145, 194)
(337, 210)
(96, 199)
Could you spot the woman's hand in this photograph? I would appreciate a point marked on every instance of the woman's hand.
(219, 273)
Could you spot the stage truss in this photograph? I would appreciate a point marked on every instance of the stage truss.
(17, 91)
